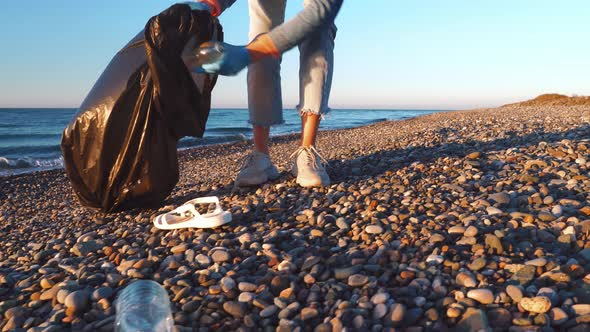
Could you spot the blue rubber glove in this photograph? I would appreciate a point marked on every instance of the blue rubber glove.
(230, 62)
(196, 5)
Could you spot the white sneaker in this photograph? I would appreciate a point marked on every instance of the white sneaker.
(309, 168)
(256, 169)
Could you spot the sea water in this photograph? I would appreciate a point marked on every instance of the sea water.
(30, 138)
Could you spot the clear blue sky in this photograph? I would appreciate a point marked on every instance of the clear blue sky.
(389, 54)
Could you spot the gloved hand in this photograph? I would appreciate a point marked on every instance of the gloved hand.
(230, 59)
(229, 62)
(198, 5)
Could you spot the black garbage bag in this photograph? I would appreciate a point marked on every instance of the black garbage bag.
(120, 150)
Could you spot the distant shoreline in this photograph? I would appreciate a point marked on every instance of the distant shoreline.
(40, 148)
(246, 109)
(187, 149)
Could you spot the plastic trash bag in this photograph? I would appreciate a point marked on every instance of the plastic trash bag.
(120, 150)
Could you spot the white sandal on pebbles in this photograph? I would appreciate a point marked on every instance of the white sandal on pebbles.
(187, 216)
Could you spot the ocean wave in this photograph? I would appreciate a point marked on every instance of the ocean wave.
(365, 122)
(193, 141)
(27, 162)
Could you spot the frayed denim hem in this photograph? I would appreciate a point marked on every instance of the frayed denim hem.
(303, 111)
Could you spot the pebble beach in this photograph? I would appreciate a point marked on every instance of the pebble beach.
(459, 221)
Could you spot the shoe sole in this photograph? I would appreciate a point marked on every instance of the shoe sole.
(312, 183)
(309, 183)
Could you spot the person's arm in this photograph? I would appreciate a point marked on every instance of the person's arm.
(218, 6)
(317, 15)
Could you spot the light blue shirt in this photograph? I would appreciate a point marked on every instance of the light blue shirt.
(318, 14)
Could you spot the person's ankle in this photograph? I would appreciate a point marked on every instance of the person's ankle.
(265, 151)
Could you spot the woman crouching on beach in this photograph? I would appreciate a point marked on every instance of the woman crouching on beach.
(313, 31)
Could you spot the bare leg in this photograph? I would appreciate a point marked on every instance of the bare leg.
(264, 95)
(309, 129)
(261, 135)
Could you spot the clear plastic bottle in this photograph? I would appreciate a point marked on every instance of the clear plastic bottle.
(144, 306)
(207, 53)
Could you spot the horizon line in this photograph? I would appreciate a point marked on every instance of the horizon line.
(377, 108)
